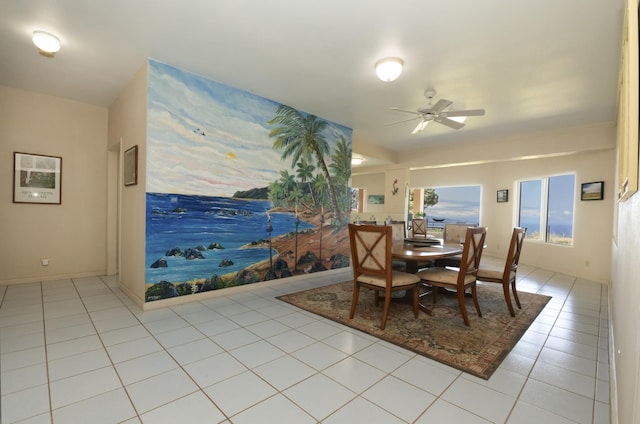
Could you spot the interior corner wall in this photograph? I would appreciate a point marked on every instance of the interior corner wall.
(70, 235)
(128, 128)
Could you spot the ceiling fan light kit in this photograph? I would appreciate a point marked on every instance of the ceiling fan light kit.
(452, 119)
(389, 68)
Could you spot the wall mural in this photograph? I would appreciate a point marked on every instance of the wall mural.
(239, 189)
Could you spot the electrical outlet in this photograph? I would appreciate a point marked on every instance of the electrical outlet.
(45, 261)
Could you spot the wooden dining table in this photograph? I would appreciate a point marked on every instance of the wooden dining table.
(418, 254)
(415, 254)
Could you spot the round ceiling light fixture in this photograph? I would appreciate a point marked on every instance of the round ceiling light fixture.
(356, 160)
(48, 44)
(389, 68)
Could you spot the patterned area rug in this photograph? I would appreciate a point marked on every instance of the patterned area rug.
(478, 349)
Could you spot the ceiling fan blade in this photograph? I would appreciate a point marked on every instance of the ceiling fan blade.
(421, 126)
(404, 110)
(470, 112)
(441, 105)
(399, 122)
(449, 123)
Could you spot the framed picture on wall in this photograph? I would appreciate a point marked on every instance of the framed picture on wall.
(131, 166)
(375, 199)
(37, 178)
(592, 191)
(502, 196)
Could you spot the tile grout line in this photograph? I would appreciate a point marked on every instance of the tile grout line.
(164, 349)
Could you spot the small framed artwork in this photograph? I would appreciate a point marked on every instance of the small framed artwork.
(592, 191)
(37, 178)
(502, 196)
(375, 199)
(131, 166)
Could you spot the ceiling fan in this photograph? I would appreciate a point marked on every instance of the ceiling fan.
(437, 113)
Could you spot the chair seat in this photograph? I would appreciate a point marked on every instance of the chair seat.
(398, 279)
(443, 275)
(491, 272)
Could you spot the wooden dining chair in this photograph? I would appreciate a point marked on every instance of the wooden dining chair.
(399, 231)
(398, 234)
(453, 234)
(506, 275)
(463, 278)
(419, 228)
(372, 267)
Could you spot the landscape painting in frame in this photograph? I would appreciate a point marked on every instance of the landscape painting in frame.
(239, 189)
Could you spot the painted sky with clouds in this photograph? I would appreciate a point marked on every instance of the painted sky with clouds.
(209, 139)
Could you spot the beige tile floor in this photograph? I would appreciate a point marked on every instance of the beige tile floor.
(79, 351)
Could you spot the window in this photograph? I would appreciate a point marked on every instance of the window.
(444, 205)
(546, 208)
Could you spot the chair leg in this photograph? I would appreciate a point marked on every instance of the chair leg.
(515, 293)
(507, 298)
(376, 298)
(354, 302)
(463, 308)
(385, 311)
(416, 300)
(474, 294)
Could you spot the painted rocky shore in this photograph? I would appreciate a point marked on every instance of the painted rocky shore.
(335, 241)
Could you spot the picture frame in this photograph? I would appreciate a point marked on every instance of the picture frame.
(130, 168)
(375, 199)
(37, 178)
(502, 196)
(592, 191)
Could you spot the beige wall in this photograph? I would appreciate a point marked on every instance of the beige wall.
(625, 277)
(373, 184)
(127, 128)
(625, 311)
(589, 257)
(71, 235)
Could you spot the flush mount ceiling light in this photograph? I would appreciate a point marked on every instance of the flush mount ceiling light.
(47, 44)
(356, 161)
(389, 68)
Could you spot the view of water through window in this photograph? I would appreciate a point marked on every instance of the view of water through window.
(546, 208)
(454, 204)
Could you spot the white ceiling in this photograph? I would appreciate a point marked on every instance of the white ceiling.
(532, 64)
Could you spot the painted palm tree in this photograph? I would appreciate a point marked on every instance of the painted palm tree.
(276, 192)
(300, 137)
(305, 175)
(320, 185)
(287, 180)
(341, 168)
(295, 195)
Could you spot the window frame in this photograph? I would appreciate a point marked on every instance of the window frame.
(544, 208)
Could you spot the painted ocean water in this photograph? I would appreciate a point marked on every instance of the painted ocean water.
(184, 221)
